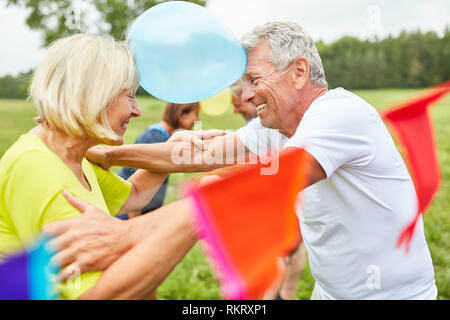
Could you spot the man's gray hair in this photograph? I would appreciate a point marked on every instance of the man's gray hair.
(288, 41)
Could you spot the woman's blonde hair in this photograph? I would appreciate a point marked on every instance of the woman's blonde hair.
(79, 77)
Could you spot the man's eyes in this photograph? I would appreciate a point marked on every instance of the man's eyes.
(254, 79)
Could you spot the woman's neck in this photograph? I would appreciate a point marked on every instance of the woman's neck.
(69, 148)
(168, 127)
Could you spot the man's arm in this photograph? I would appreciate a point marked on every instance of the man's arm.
(151, 263)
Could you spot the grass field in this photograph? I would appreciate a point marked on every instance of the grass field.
(193, 278)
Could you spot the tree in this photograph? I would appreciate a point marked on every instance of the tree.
(62, 17)
(14, 87)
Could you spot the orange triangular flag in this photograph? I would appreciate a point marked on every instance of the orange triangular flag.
(248, 222)
(412, 123)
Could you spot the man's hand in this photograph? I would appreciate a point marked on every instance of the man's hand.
(90, 242)
(196, 137)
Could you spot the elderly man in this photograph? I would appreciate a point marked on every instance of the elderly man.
(360, 194)
(247, 110)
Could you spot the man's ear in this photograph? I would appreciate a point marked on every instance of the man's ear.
(300, 72)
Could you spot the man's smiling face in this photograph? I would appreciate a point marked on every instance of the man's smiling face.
(270, 91)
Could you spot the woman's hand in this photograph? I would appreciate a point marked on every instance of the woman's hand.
(99, 156)
(208, 179)
(90, 242)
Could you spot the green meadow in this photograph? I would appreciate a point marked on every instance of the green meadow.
(193, 277)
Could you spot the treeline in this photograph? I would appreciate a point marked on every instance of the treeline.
(17, 87)
(413, 59)
(14, 87)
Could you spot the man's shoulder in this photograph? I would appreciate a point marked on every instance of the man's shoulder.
(340, 100)
(340, 107)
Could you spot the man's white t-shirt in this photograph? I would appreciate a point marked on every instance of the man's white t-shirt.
(350, 221)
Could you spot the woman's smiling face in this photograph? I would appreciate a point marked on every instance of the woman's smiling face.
(121, 111)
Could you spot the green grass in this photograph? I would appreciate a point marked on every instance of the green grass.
(193, 278)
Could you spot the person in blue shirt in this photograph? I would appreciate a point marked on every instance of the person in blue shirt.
(175, 116)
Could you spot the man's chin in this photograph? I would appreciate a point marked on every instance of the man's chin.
(267, 123)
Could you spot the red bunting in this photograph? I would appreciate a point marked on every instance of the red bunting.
(247, 221)
(411, 121)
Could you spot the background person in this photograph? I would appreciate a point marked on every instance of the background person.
(175, 116)
(247, 110)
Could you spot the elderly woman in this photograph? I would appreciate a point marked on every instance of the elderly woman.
(84, 90)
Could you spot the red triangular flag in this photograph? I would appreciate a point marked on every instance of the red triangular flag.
(412, 123)
(248, 222)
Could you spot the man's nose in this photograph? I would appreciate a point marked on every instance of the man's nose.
(248, 92)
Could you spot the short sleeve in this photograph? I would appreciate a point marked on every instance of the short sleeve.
(115, 189)
(337, 133)
(260, 140)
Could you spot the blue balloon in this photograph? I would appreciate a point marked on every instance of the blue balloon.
(183, 53)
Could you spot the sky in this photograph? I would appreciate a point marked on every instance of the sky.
(326, 20)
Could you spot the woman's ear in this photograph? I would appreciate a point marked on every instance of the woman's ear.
(300, 72)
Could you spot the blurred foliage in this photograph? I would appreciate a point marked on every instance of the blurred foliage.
(63, 17)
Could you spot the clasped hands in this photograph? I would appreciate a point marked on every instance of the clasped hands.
(198, 140)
